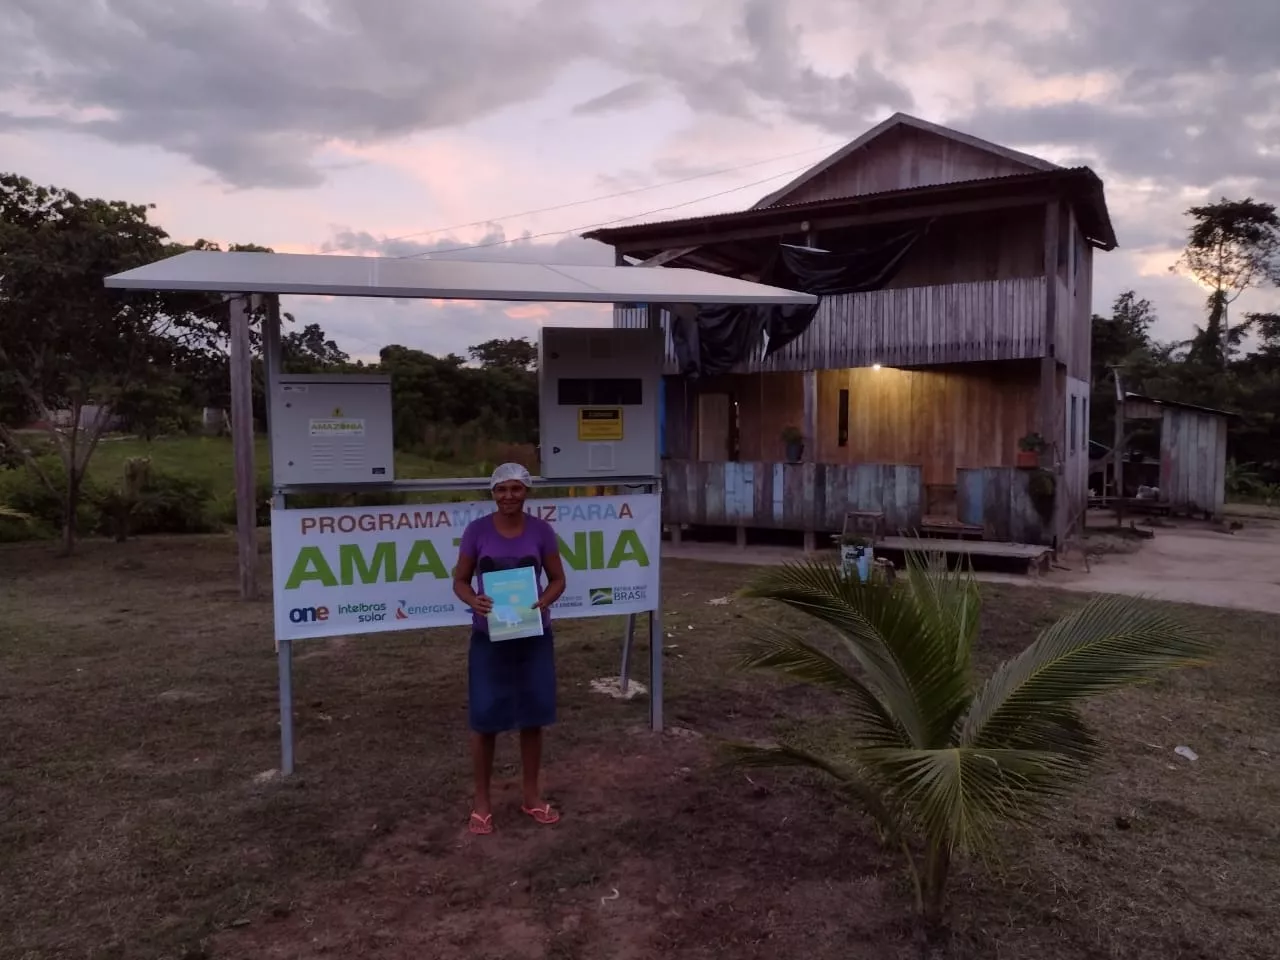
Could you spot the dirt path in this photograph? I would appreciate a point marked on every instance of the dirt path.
(1188, 564)
(1191, 565)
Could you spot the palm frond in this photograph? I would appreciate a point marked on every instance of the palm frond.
(951, 597)
(912, 638)
(958, 796)
(1055, 729)
(861, 613)
(1108, 643)
(947, 605)
(796, 657)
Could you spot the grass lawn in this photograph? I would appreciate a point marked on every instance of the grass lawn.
(211, 458)
(137, 709)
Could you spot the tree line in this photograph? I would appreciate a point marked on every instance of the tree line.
(157, 359)
(1230, 363)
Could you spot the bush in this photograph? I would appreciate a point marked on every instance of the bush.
(223, 509)
(22, 489)
(169, 503)
(166, 503)
(474, 443)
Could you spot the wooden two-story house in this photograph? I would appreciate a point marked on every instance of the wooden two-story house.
(967, 338)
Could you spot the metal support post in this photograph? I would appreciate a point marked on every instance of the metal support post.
(284, 661)
(624, 674)
(655, 635)
(241, 360)
(655, 667)
(271, 358)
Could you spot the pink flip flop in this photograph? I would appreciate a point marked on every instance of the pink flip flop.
(543, 814)
(481, 826)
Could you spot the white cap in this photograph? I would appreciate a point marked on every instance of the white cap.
(510, 471)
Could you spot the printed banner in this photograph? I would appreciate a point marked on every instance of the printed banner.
(350, 570)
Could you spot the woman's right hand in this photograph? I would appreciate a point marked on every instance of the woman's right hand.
(483, 605)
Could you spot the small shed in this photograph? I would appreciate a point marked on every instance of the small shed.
(1193, 451)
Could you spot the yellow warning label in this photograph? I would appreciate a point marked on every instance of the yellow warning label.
(600, 423)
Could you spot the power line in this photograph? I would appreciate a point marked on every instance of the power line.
(596, 199)
(605, 223)
(549, 233)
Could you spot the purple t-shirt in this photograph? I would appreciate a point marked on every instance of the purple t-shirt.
(492, 551)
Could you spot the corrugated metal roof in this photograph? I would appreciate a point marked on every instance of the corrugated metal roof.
(1178, 404)
(755, 214)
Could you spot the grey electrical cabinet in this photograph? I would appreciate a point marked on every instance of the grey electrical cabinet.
(331, 429)
(599, 401)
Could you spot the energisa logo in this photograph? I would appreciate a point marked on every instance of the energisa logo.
(406, 610)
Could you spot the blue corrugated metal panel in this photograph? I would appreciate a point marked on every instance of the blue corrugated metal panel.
(737, 491)
(970, 499)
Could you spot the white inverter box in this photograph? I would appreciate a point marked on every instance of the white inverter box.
(598, 401)
(331, 429)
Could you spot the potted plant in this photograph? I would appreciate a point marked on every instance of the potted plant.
(793, 440)
(1029, 449)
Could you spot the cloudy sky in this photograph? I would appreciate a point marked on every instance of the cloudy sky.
(401, 127)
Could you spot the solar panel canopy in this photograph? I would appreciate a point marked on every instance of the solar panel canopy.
(340, 276)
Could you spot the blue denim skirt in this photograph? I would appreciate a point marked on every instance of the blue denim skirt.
(511, 683)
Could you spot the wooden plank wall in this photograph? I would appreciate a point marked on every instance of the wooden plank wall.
(995, 245)
(911, 326)
(1075, 447)
(962, 416)
(1077, 313)
(805, 497)
(767, 403)
(681, 410)
(901, 158)
(1193, 460)
(999, 499)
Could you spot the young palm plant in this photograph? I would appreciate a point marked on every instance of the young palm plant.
(940, 760)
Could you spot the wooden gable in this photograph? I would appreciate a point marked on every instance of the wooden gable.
(901, 153)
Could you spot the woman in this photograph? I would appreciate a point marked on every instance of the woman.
(512, 683)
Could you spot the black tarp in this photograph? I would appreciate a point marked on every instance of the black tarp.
(713, 339)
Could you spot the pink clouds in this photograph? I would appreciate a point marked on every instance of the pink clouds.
(528, 311)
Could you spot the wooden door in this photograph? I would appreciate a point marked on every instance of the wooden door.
(715, 414)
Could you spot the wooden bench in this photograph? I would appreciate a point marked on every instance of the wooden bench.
(941, 513)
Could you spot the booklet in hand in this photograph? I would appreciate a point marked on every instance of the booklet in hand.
(513, 592)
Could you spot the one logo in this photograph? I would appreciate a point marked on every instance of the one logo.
(308, 614)
(337, 413)
(600, 596)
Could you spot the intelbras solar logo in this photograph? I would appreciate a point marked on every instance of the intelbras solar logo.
(607, 596)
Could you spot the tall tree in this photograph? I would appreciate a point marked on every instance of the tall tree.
(309, 351)
(1232, 245)
(1124, 340)
(66, 342)
(513, 353)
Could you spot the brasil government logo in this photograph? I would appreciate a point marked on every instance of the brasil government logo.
(601, 596)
